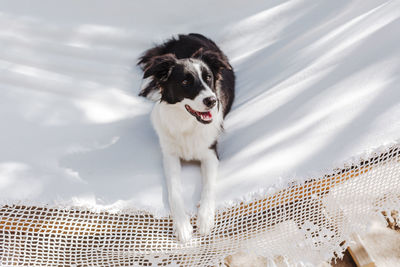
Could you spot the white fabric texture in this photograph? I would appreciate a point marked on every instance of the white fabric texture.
(317, 88)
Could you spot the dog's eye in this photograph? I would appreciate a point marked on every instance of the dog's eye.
(185, 82)
(208, 78)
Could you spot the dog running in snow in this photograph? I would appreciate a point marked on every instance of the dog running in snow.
(192, 84)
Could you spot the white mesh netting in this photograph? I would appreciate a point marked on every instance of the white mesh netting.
(307, 222)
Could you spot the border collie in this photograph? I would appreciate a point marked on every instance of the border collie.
(192, 83)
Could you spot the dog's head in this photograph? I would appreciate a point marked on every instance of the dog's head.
(188, 83)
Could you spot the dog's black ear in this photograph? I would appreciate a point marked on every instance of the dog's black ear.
(160, 67)
(213, 59)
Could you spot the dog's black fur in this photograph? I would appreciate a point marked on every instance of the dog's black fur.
(160, 62)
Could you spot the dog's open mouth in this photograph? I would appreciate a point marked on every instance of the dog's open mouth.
(203, 117)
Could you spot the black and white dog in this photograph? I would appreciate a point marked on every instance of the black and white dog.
(193, 84)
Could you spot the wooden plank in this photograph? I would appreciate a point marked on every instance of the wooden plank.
(360, 255)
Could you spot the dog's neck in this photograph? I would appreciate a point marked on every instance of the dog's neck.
(180, 132)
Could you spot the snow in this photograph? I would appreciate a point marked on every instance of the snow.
(317, 85)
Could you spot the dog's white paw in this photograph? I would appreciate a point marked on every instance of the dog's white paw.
(205, 218)
(183, 230)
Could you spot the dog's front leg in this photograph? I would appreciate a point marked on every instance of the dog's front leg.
(206, 213)
(172, 168)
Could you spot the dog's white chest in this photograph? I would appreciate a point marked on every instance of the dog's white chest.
(182, 135)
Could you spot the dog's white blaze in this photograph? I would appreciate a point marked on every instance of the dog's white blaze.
(207, 92)
(197, 103)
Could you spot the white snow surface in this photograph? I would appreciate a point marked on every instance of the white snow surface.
(318, 83)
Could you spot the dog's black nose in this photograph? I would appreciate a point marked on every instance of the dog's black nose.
(210, 101)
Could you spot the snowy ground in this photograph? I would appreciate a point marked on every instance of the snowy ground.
(317, 84)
